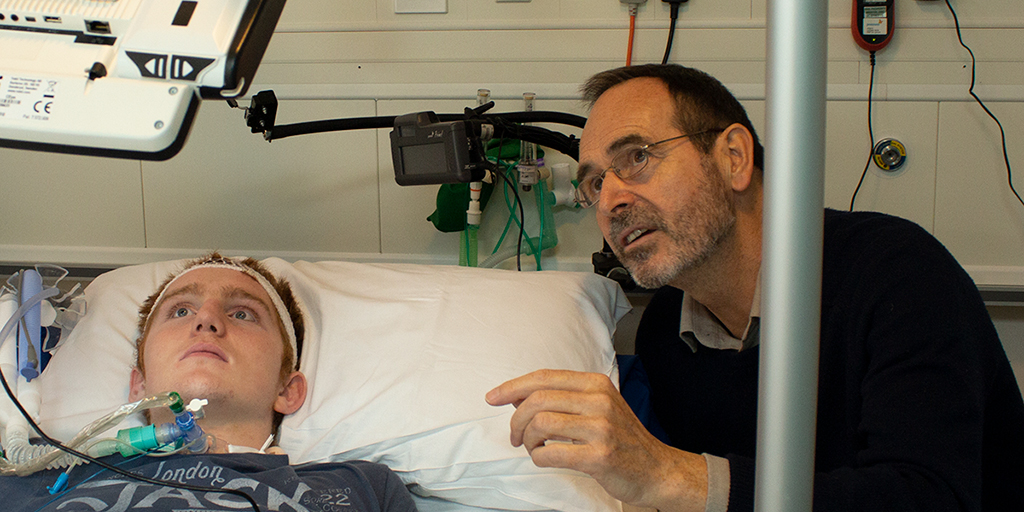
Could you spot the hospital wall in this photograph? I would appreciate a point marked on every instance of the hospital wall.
(333, 195)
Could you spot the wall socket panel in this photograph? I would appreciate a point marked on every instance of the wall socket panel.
(421, 6)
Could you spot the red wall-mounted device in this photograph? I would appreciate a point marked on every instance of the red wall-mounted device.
(873, 23)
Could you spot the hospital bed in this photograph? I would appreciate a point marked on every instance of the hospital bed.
(399, 357)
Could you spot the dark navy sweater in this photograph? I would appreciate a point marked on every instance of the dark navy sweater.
(918, 408)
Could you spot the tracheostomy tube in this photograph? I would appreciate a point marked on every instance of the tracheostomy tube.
(23, 458)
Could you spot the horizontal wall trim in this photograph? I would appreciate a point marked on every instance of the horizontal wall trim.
(997, 278)
(570, 91)
(93, 258)
(1001, 278)
(682, 24)
(1003, 297)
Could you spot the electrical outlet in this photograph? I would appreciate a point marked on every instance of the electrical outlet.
(421, 6)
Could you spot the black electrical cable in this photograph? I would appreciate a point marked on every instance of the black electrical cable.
(522, 216)
(360, 123)
(539, 116)
(1002, 133)
(566, 144)
(673, 15)
(57, 444)
(871, 133)
(671, 32)
(328, 125)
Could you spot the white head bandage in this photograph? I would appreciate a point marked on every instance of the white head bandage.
(231, 264)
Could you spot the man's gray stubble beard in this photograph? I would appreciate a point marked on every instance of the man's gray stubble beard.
(715, 214)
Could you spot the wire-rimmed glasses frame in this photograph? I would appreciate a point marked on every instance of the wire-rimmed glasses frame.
(628, 163)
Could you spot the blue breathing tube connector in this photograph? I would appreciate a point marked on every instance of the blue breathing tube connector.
(184, 432)
(192, 435)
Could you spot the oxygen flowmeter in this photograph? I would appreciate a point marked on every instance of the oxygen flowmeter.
(873, 23)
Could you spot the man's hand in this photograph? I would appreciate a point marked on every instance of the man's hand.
(579, 421)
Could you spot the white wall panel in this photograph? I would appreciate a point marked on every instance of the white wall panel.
(910, 191)
(597, 9)
(725, 9)
(532, 10)
(931, 44)
(989, 12)
(918, 12)
(62, 200)
(230, 189)
(756, 114)
(456, 12)
(977, 216)
(947, 72)
(310, 12)
(527, 45)
(493, 72)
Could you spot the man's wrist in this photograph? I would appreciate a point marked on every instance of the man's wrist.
(684, 483)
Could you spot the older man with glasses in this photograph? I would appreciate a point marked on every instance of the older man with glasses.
(918, 405)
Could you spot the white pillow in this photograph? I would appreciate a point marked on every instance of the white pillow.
(399, 358)
(88, 375)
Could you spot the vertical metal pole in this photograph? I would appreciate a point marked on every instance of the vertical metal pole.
(792, 253)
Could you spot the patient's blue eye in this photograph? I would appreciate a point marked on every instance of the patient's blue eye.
(242, 315)
(180, 312)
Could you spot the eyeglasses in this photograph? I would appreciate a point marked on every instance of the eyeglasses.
(628, 163)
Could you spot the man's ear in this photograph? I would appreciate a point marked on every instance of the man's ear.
(292, 395)
(137, 386)
(739, 144)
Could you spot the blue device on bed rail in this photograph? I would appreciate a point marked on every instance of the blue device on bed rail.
(30, 347)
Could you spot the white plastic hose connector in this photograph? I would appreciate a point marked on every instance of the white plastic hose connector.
(473, 214)
(561, 185)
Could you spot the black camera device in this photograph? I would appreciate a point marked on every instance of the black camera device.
(427, 151)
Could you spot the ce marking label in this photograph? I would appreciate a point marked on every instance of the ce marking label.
(44, 105)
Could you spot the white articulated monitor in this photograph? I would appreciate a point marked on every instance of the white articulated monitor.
(122, 78)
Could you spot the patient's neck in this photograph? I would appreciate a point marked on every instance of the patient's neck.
(250, 432)
(238, 436)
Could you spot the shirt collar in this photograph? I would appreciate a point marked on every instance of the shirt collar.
(266, 448)
(697, 325)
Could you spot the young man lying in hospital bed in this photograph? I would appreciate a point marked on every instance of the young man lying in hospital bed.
(226, 331)
(398, 358)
